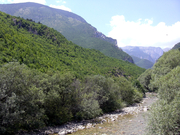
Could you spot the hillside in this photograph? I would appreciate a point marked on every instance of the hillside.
(72, 26)
(176, 46)
(45, 49)
(46, 80)
(164, 78)
(144, 63)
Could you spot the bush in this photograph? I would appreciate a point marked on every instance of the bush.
(21, 99)
(84, 100)
(164, 118)
(125, 90)
(145, 78)
(169, 86)
(109, 95)
(58, 98)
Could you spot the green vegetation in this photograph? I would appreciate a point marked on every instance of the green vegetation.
(144, 63)
(47, 80)
(30, 99)
(72, 26)
(45, 49)
(164, 78)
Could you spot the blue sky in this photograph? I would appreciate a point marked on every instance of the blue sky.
(131, 22)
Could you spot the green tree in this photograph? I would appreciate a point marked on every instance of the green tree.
(21, 99)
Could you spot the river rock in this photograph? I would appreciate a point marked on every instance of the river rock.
(89, 125)
(62, 133)
(145, 108)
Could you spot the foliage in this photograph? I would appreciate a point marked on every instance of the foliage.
(150, 78)
(72, 26)
(145, 78)
(144, 63)
(30, 99)
(21, 98)
(45, 49)
(164, 118)
(52, 81)
(164, 115)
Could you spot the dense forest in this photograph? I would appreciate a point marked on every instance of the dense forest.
(47, 80)
(72, 26)
(164, 78)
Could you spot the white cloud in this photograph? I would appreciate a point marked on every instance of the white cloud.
(22, 1)
(61, 1)
(143, 33)
(61, 7)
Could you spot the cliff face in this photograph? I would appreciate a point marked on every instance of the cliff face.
(100, 35)
(153, 52)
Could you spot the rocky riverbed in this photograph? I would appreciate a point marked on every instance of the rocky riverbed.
(129, 120)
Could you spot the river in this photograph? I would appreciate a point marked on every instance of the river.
(128, 124)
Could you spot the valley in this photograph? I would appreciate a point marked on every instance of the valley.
(59, 74)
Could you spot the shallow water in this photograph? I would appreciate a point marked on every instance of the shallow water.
(128, 124)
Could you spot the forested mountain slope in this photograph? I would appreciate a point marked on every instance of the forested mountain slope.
(72, 26)
(45, 49)
(144, 63)
(164, 78)
(46, 80)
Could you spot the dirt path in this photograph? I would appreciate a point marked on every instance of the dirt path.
(131, 122)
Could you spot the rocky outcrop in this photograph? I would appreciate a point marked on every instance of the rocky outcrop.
(100, 35)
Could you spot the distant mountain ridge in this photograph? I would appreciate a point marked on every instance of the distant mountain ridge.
(149, 53)
(166, 49)
(72, 26)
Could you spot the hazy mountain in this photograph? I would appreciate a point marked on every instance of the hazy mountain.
(149, 53)
(72, 26)
(166, 49)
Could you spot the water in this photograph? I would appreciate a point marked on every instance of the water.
(134, 124)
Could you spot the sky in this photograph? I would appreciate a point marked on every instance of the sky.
(130, 22)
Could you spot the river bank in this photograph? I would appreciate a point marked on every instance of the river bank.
(129, 120)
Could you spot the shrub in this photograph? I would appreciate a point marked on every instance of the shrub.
(58, 98)
(164, 118)
(21, 99)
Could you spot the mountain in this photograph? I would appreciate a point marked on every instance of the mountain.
(176, 46)
(47, 80)
(45, 49)
(144, 63)
(166, 49)
(72, 26)
(149, 53)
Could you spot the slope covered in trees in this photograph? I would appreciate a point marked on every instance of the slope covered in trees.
(45, 49)
(72, 26)
(164, 78)
(144, 63)
(47, 80)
